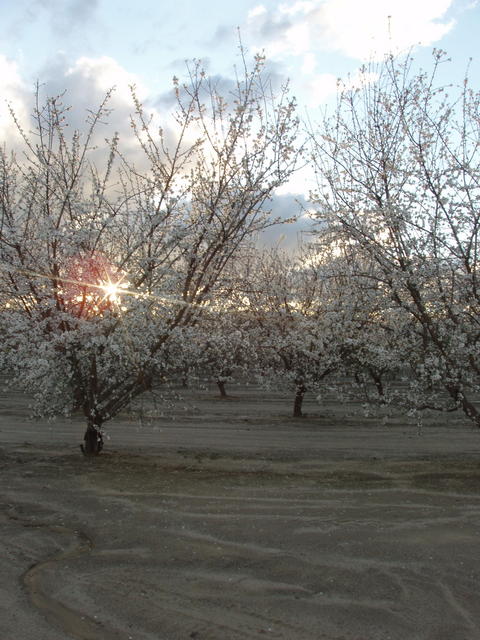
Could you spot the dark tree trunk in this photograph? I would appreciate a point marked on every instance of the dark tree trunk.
(471, 411)
(221, 386)
(467, 407)
(297, 404)
(93, 441)
(377, 379)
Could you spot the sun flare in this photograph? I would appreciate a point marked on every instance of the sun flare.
(112, 291)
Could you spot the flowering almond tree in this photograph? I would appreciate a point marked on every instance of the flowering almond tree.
(399, 187)
(292, 320)
(223, 349)
(105, 262)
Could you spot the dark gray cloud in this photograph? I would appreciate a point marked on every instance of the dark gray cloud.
(226, 86)
(223, 85)
(273, 27)
(276, 74)
(265, 28)
(63, 16)
(291, 234)
(269, 27)
(74, 13)
(223, 34)
(81, 90)
(79, 86)
(69, 16)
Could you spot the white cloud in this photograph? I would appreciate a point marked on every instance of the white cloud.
(11, 81)
(297, 7)
(309, 63)
(103, 73)
(371, 28)
(296, 34)
(359, 29)
(259, 10)
(360, 78)
(318, 88)
(13, 95)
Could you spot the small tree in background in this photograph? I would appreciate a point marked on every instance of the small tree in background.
(292, 320)
(219, 348)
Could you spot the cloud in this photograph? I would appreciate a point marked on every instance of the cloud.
(360, 30)
(84, 84)
(83, 87)
(372, 28)
(98, 75)
(223, 85)
(66, 16)
(62, 17)
(296, 36)
(259, 10)
(317, 88)
(14, 95)
(222, 35)
(288, 236)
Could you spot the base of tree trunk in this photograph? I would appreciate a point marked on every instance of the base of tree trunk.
(221, 386)
(93, 442)
(297, 405)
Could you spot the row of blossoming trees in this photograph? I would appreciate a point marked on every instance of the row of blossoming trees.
(123, 271)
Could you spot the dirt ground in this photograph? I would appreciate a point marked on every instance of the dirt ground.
(230, 520)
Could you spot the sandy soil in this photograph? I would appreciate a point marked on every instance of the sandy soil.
(232, 521)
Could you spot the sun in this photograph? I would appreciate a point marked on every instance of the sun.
(93, 285)
(112, 291)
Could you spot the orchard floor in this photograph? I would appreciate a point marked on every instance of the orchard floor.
(226, 519)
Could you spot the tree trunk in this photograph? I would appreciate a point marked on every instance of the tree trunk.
(471, 411)
(467, 407)
(93, 441)
(221, 386)
(297, 404)
(377, 379)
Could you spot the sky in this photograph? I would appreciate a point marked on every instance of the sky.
(87, 46)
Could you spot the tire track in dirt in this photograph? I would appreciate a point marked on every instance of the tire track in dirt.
(72, 622)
